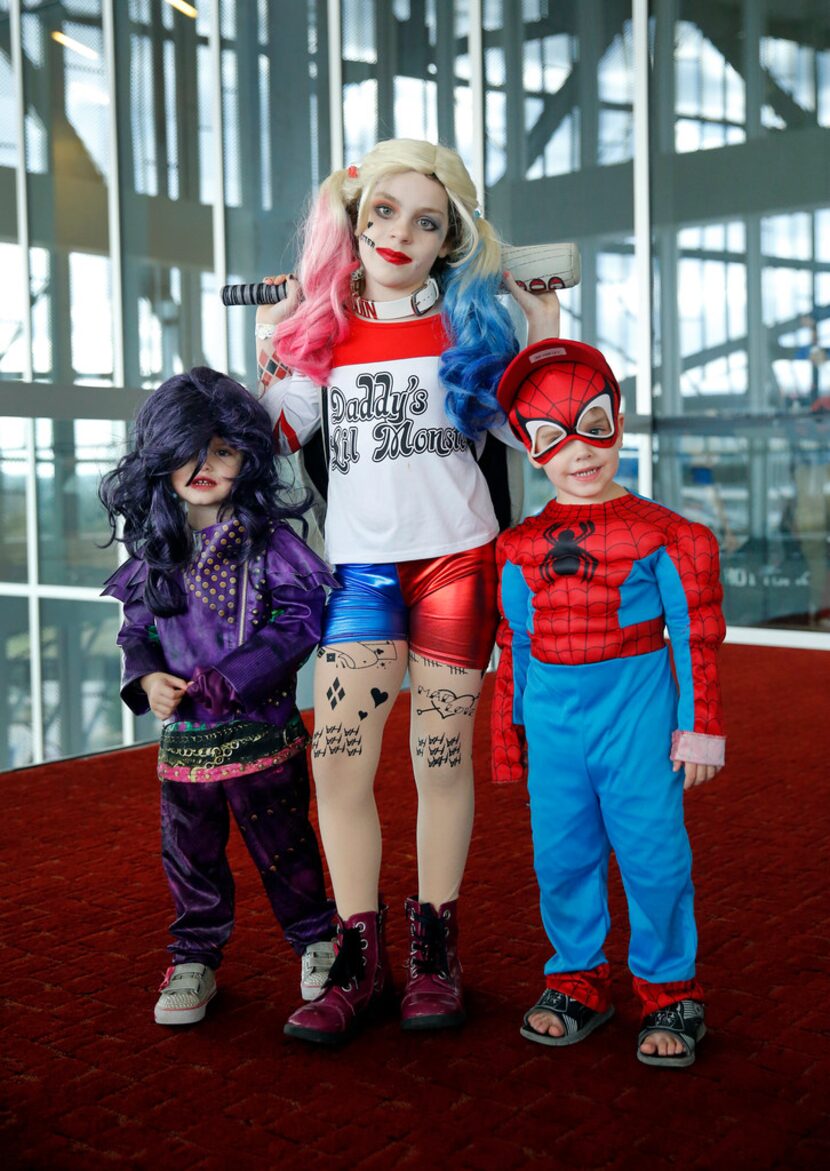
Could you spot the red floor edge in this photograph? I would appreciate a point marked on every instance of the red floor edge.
(89, 1081)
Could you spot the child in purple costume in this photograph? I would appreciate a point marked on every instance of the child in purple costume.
(222, 604)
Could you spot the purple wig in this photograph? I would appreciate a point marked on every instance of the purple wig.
(174, 426)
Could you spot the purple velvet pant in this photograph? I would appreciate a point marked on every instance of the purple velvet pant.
(271, 810)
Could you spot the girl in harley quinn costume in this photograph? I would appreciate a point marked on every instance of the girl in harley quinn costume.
(222, 603)
(399, 323)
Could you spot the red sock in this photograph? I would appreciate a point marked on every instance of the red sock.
(655, 996)
(591, 988)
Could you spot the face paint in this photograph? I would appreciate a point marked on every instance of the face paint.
(403, 235)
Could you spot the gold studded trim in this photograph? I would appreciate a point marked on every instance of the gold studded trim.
(227, 751)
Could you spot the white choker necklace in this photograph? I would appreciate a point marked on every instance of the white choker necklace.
(415, 306)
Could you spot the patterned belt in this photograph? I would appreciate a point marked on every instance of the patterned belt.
(199, 755)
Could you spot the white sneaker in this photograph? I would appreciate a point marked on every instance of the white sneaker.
(185, 993)
(316, 961)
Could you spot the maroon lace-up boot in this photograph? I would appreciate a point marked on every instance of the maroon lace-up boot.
(433, 998)
(359, 985)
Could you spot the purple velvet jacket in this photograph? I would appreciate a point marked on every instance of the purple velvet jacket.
(255, 623)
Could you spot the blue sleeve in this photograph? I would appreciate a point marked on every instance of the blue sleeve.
(516, 606)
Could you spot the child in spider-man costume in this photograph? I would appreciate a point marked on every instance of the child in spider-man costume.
(586, 589)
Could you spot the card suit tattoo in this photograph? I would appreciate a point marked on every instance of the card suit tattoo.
(335, 693)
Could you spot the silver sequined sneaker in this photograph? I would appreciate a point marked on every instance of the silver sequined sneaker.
(316, 961)
(185, 993)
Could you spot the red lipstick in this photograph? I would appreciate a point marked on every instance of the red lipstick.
(393, 257)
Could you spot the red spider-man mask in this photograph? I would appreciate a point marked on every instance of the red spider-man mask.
(556, 391)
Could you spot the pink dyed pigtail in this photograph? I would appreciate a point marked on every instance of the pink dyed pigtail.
(305, 341)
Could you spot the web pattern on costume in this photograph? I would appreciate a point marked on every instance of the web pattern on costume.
(560, 394)
(581, 574)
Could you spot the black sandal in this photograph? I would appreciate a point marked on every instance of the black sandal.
(578, 1019)
(684, 1020)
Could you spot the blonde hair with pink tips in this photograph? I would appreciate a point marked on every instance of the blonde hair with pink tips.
(329, 255)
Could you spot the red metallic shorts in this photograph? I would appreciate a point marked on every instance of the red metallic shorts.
(444, 607)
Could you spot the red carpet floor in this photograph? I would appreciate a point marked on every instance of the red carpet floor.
(91, 1082)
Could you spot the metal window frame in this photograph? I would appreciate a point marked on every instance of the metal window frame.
(220, 254)
(475, 44)
(335, 59)
(24, 244)
(116, 252)
(642, 240)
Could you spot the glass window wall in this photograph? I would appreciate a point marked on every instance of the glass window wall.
(81, 676)
(71, 457)
(14, 459)
(150, 152)
(68, 159)
(742, 294)
(15, 683)
(275, 133)
(555, 146)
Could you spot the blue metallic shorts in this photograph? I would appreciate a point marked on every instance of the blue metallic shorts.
(444, 607)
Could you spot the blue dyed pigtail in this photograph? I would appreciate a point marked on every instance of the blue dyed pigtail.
(482, 343)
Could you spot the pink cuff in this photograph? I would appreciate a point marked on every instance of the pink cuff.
(698, 748)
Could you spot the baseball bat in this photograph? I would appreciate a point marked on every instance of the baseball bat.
(539, 268)
(257, 294)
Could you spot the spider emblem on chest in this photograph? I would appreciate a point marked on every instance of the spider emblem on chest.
(566, 556)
